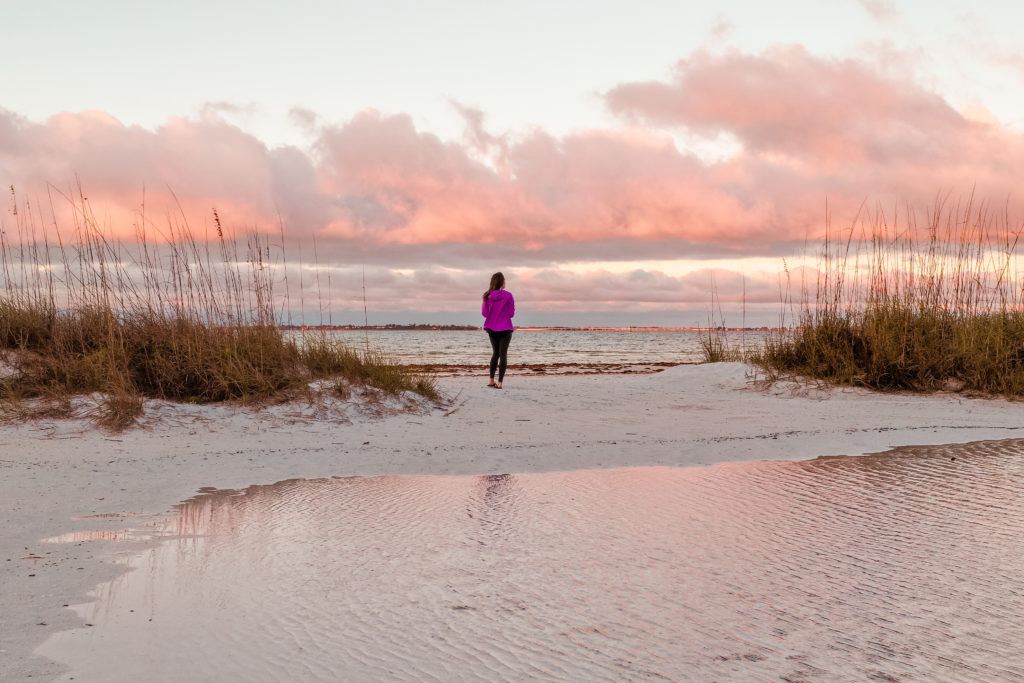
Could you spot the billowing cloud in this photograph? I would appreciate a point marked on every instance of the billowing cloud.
(206, 161)
(377, 189)
(811, 128)
(788, 105)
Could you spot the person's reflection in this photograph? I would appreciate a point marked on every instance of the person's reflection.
(493, 506)
(496, 485)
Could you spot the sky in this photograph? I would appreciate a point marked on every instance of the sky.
(616, 160)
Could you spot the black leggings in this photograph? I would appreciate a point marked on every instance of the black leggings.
(499, 356)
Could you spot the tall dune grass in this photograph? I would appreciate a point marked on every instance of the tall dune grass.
(715, 348)
(164, 315)
(902, 304)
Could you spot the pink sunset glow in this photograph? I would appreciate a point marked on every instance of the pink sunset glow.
(798, 130)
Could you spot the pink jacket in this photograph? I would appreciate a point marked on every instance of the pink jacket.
(497, 310)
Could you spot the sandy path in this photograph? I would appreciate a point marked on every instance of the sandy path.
(53, 473)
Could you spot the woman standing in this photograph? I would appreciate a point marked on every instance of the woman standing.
(498, 309)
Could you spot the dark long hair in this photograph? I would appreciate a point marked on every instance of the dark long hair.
(497, 282)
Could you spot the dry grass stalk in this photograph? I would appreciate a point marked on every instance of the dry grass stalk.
(905, 305)
(175, 318)
(714, 346)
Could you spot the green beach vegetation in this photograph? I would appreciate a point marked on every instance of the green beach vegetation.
(163, 315)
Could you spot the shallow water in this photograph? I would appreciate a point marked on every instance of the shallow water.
(547, 347)
(905, 566)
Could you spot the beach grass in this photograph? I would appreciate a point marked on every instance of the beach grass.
(902, 304)
(715, 348)
(164, 315)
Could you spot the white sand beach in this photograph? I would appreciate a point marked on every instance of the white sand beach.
(67, 476)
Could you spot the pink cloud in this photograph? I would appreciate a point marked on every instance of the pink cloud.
(207, 162)
(377, 188)
(787, 102)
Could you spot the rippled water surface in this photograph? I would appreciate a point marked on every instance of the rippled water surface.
(578, 347)
(906, 566)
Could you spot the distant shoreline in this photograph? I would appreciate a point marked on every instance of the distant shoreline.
(531, 328)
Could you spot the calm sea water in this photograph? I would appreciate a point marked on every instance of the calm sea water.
(898, 567)
(577, 347)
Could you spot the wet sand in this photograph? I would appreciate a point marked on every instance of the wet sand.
(899, 566)
(64, 477)
(547, 369)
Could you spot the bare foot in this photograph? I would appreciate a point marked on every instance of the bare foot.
(497, 385)
(491, 383)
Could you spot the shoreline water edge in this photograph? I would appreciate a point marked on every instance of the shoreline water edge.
(64, 476)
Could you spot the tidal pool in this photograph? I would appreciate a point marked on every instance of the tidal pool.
(898, 567)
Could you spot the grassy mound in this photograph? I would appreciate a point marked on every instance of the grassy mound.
(180, 320)
(901, 308)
